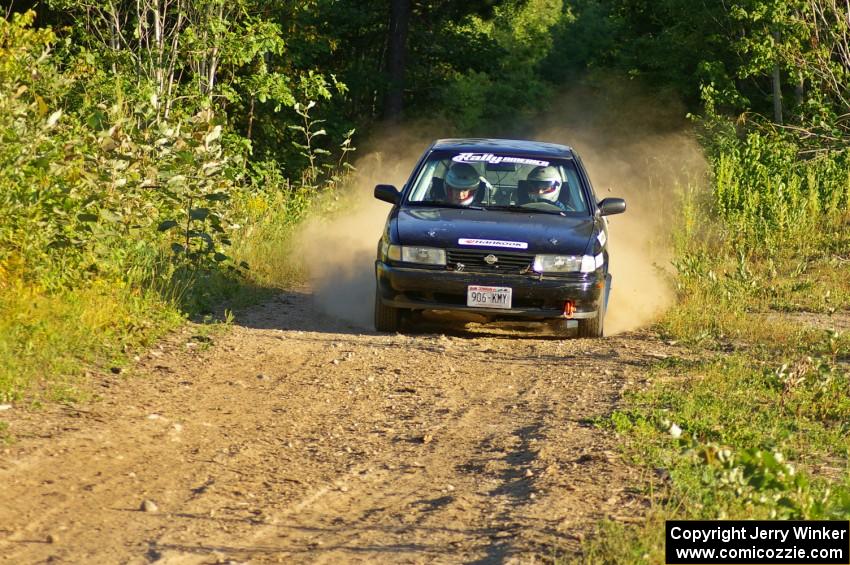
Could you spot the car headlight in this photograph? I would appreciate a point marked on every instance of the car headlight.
(420, 255)
(566, 263)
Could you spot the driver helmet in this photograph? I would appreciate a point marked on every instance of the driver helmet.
(461, 183)
(544, 184)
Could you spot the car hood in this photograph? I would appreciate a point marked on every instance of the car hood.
(494, 229)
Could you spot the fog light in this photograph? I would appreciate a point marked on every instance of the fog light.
(569, 308)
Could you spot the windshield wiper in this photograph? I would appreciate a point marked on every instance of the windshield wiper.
(445, 205)
(525, 210)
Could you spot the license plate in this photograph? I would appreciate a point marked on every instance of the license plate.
(488, 296)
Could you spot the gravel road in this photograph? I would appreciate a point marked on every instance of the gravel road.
(292, 437)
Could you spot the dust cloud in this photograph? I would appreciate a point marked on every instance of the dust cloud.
(635, 146)
(341, 248)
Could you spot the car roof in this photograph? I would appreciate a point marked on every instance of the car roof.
(523, 146)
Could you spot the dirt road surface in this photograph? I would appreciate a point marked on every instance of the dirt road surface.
(293, 437)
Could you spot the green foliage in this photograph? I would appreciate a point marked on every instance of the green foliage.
(723, 57)
(758, 430)
(768, 237)
(96, 187)
(49, 341)
(121, 196)
(477, 64)
(182, 55)
(735, 437)
(767, 193)
(495, 96)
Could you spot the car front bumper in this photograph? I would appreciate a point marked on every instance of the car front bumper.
(533, 296)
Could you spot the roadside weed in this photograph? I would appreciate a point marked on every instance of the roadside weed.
(5, 435)
(735, 437)
(47, 340)
(756, 425)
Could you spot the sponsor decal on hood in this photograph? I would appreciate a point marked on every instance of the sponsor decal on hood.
(493, 243)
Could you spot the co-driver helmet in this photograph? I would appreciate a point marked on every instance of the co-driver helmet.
(544, 184)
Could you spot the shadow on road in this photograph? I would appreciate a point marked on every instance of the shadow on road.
(297, 310)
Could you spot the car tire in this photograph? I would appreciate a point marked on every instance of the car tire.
(593, 327)
(387, 318)
(559, 328)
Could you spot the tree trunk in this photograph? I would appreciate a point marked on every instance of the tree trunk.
(777, 89)
(800, 90)
(396, 55)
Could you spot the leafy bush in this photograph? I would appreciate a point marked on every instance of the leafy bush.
(79, 202)
(111, 206)
(768, 192)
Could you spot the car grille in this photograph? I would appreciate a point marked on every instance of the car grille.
(473, 261)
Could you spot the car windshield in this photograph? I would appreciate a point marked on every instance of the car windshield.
(500, 181)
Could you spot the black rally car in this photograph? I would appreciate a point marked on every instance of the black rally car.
(507, 229)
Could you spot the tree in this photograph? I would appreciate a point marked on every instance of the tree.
(396, 55)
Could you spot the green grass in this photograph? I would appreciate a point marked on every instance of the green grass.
(53, 341)
(268, 240)
(5, 435)
(265, 242)
(739, 437)
(617, 543)
(49, 341)
(754, 422)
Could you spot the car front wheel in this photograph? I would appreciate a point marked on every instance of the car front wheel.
(593, 327)
(387, 318)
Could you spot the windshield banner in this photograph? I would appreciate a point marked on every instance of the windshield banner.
(490, 158)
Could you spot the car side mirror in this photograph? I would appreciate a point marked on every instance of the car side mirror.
(387, 193)
(610, 206)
